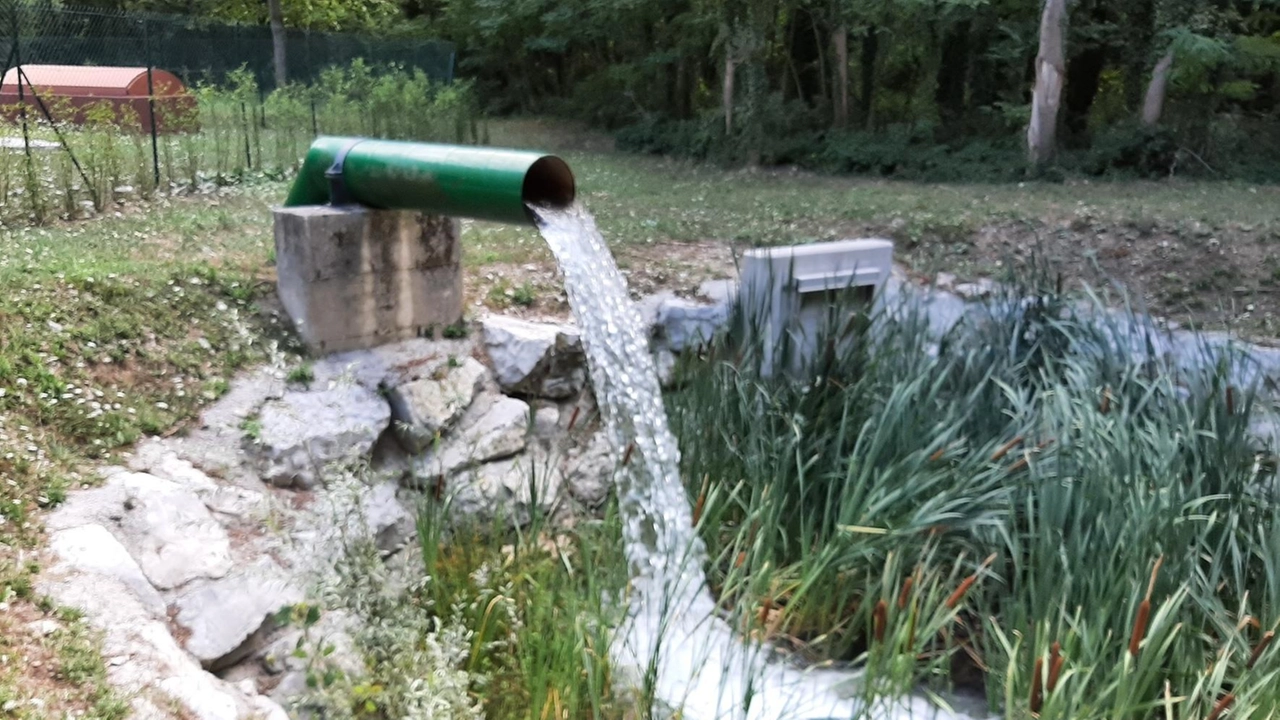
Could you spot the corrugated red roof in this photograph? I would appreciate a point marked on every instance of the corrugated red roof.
(80, 76)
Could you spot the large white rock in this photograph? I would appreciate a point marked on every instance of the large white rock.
(386, 519)
(145, 663)
(498, 430)
(427, 406)
(303, 432)
(590, 471)
(222, 615)
(505, 490)
(682, 324)
(92, 550)
(539, 359)
(171, 533)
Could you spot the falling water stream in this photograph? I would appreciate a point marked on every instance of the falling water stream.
(696, 666)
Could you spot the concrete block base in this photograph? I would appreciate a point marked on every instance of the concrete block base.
(353, 277)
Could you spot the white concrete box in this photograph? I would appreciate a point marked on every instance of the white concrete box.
(790, 295)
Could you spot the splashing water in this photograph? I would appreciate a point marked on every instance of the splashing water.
(687, 657)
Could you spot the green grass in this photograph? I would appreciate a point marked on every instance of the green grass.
(1028, 494)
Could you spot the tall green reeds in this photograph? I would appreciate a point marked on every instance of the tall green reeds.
(1035, 506)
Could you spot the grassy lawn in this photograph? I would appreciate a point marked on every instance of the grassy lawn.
(128, 324)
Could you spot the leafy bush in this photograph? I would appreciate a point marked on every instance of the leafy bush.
(1133, 150)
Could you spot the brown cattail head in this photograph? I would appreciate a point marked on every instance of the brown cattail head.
(1139, 627)
(702, 500)
(1036, 688)
(1055, 665)
(1222, 706)
(937, 454)
(626, 457)
(1004, 449)
(1260, 648)
(1020, 465)
(438, 489)
(1231, 400)
(880, 619)
(573, 419)
(765, 608)
(967, 583)
(742, 558)
(1104, 407)
(906, 592)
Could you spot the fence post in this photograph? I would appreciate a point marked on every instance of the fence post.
(151, 106)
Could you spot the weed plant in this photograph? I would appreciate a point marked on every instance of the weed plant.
(1039, 506)
(233, 134)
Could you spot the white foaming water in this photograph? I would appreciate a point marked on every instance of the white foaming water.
(699, 668)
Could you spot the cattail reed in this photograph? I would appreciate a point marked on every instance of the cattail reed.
(1231, 400)
(1021, 464)
(702, 500)
(1006, 448)
(1222, 706)
(906, 592)
(438, 489)
(967, 583)
(1055, 665)
(1105, 406)
(626, 457)
(1144, 612)
(937, 454)
(1260, 648)
(765, 608)
(880, 619)
(1037, 694)
(573, 419)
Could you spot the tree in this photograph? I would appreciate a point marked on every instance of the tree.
(278, 42)
(1046, 97)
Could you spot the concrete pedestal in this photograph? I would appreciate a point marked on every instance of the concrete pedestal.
(353, 278)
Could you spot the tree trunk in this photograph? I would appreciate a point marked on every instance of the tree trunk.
(870, 53)
(840, 39)
(730, 65)
(276, 13)
(1153, 106)
(1046, 97)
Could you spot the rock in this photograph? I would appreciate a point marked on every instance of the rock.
(976, 290)
(171, 533)
(303, 432)
(650, 306)
(92, 550)
(291, 687)
(505, 490)
(720, 292)
(387, 521)
(499, 431)
(146, 664)
(945, 281)
(682, 324)
(537, 359)
(590, 474)
(546, 421)
(223, 614)
(423, 408)
(332, 633)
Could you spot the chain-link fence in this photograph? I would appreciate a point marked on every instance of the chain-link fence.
(193, 48)
(97, 107)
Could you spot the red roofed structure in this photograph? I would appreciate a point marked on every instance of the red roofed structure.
(69, 90)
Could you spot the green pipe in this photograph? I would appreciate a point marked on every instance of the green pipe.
(456, 180)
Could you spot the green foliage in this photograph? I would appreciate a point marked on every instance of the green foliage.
(237, 136)
(1134, 150)
(1008, 499)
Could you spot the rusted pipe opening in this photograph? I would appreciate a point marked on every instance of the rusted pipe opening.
(548, 183)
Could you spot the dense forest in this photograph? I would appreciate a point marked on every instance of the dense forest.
(902, 87)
